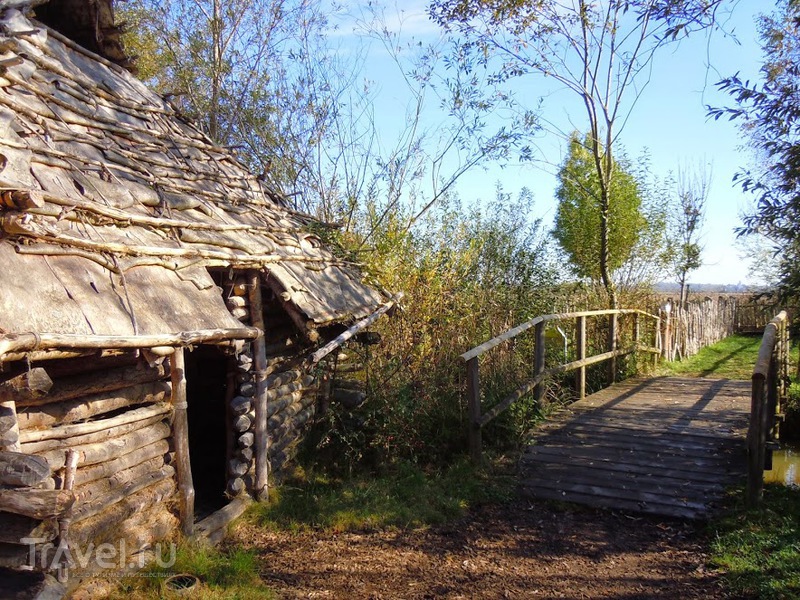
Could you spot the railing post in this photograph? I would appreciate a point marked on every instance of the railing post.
(580, 341)
(538, 361)
(612, 346)
(756, 441)
(474, 405)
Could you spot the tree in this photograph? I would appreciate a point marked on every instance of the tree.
(579, 214)
(692, 193)
(769, 113)
(599, 51)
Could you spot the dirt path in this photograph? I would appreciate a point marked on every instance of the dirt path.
(520, 550)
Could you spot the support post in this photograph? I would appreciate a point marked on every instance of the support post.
(183, 466)
(474, 406)
(261, 443)
(580, 347)
(612, 346)
(538, 361)
(756, 441)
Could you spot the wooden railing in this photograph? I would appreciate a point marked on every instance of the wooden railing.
(478, 420)
(770, 379)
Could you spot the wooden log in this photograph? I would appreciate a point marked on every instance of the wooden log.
(97, 488)
(181, 440)
(116, 494)
(24, 342)
(29, 385)
(241, 405)
(99, 452)
(237, 468)
(136, 456)
(37, 440)
(93, 528)
(9, 426)
(261, 439)
(236, 487)
(37, 504)
(219, 521)
(65, 520)
(242, 423)
(95, 383)
(243, 377)
(339, 340)
(81, 409)
(13, 528)
(245, 454)
(246, 440)
(17, 469)
(247, 389)
(277, 393)
(14, 555)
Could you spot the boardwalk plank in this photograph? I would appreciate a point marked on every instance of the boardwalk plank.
(665, 446)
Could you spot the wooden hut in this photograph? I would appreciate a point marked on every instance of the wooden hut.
(161, 310)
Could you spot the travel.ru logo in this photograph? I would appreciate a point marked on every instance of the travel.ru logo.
(93, 558)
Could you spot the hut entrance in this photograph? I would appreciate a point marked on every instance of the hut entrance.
(206, 382)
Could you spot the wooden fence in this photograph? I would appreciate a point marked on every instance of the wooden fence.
(687, 329)
(770, 380)
(645, 337)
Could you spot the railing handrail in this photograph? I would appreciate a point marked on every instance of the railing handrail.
(767, 394)
(477, 420)
(515, 331)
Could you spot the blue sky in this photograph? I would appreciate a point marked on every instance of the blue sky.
(669, 120)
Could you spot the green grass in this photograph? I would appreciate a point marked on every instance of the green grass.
(223, 575)
(407, 496)
(732, 358)
(758, 551)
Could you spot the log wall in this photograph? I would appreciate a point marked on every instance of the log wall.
(115, 415)
(291, 390)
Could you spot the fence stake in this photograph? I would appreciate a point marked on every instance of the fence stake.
(474, 402)
(580, 340)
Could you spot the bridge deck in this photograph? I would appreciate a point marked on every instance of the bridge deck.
(667, 446)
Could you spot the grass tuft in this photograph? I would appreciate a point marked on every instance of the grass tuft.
(759, 550)
(407, 496)
(223, 575)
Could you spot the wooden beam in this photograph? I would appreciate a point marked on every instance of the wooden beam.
(261, 484)
(474, 405)
(24, 470)
(580, 347)
(339, 340)
(25, 342)
(37, 504)
(538, 361)
(180, 434)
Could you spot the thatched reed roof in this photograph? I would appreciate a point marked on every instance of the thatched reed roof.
(113, 207)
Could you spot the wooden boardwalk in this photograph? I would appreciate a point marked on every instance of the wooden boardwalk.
(667, 446)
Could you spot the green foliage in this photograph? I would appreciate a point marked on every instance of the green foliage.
(731, 358)
(758, 551)
(404, 496)
(769, 114)
(578, 218)
(469, 274)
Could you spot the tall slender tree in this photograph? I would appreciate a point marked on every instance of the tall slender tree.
(601, 52)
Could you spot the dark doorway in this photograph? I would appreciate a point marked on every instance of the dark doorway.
(206, 382)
